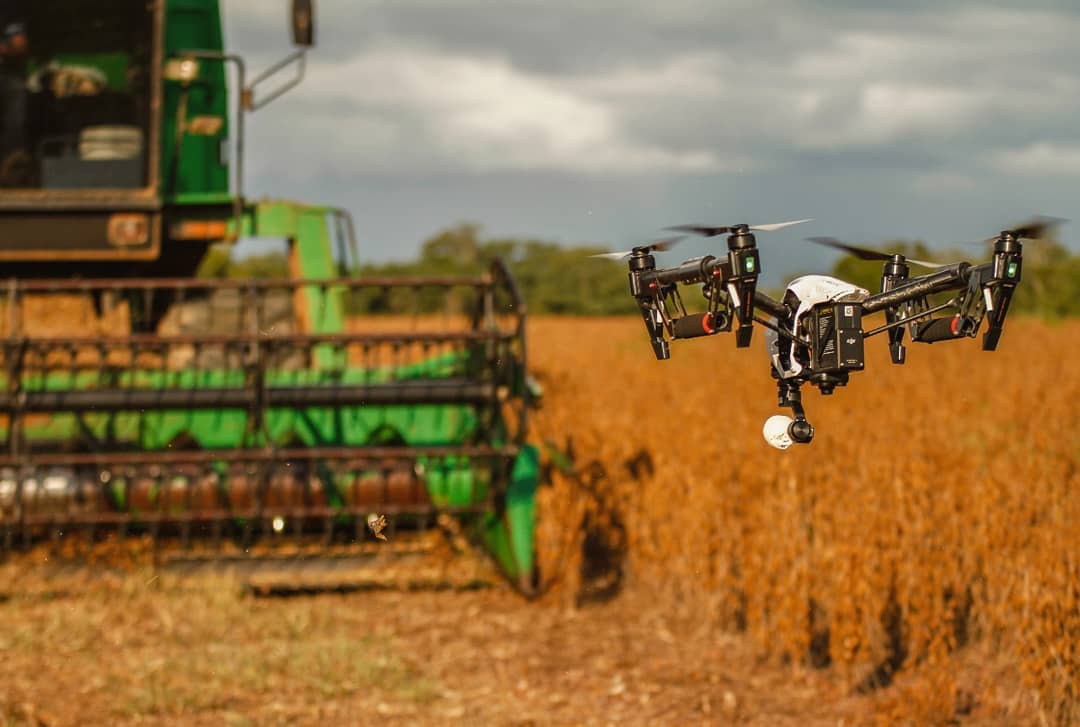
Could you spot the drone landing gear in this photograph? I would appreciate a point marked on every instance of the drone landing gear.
(782, 431)
(743, 335)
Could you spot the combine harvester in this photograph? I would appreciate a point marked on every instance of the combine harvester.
(221, 418)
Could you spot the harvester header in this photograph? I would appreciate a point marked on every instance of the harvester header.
(137, 399)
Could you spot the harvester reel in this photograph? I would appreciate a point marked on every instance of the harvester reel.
(255, 418)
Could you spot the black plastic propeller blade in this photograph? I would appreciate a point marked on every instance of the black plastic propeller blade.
(860, 252)
(665, 244)
(713, 231)
(705, 230)
(655, 246)
(1036, 228)
(863, 254)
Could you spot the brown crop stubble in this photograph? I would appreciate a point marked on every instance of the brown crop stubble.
(936, 508)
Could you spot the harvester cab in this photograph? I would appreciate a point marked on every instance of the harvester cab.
(215, 416)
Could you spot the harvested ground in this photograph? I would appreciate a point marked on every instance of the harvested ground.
(144, 647)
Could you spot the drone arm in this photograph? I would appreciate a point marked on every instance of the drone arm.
(690, 272)
(953, 277)
(772, 306)
(899, 322)
(652, 284)
(989, 289)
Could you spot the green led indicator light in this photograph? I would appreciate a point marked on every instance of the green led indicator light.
(1011, 271)
(749, 264)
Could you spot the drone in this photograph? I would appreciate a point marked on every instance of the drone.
(815, 333)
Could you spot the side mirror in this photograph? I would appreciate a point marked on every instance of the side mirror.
(303, 23)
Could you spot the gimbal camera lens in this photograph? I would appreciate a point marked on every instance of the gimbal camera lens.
(801, 431)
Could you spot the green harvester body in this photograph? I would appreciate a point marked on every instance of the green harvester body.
(181, 406)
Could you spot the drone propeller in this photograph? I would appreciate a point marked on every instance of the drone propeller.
(710, 231)
(1036, 228)
(656, 246)
(863, 254)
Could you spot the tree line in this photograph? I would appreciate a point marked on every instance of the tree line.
(554, 280)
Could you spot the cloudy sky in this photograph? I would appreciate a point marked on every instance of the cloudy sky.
(601, 122)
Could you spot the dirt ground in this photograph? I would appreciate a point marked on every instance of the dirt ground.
(145, 648)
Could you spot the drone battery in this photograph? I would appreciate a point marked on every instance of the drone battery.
(838, 337)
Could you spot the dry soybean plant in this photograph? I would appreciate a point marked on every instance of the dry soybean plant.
(937, 508)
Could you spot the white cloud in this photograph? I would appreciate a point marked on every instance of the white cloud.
(430, 109)
(868, 83)
(1039, 159)
(864, 115)
(943, 181)
(884, 112)
(415, 91)
(703, 74)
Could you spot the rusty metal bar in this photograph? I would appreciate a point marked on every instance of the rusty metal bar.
(358, 455)
(430, 391)
(153, 341)
(266, 514)
(212, 284)
(501, 273)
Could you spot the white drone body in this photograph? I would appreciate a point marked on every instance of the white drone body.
(808, 291)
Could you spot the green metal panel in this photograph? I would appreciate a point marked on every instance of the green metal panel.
(308, 230)
(195, 167)
(417, 425)
(510, 536)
